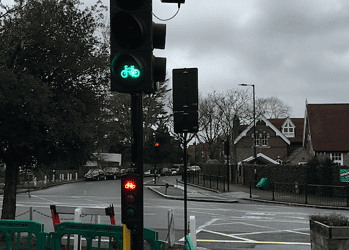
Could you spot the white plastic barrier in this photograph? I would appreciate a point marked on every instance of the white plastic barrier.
(192, 233)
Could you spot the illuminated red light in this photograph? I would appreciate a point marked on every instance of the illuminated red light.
(130, 185)
(157, 144)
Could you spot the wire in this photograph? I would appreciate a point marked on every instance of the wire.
(179, 5)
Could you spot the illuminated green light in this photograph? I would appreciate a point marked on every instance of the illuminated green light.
(130, 72)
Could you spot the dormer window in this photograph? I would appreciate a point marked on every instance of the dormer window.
(288, 129)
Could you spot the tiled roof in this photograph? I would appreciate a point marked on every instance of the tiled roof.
(298, 122)
(329, 126)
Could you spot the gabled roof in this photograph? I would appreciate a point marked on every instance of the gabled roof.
(297, 122)
(267, 123)
(329, 126)
(261, 157)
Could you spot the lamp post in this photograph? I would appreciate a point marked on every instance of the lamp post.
(254, 129)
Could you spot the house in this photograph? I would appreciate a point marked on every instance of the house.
(103, 160)
(326, 131)
(277, 141)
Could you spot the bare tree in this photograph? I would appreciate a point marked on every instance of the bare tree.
(270, 107)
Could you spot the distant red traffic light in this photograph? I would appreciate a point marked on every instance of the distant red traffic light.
(157, 144)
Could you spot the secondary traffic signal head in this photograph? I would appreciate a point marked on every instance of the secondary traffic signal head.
(131, 200)
(133, 38)
(185, 100)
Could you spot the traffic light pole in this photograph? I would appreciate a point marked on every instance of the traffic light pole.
(185, 186)
(137, 162)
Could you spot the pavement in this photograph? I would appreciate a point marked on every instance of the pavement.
(198, 193)
(237, 192)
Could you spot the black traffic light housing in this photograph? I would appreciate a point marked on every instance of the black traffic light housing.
(185, 100)
(131, 200)
(133, 37)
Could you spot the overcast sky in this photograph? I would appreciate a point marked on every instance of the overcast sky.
(290, 49)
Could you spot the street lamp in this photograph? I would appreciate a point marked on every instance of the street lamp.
(254, 129)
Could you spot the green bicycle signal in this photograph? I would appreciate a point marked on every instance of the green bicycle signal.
(130, 72)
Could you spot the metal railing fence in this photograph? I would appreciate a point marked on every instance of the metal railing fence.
(313, 194)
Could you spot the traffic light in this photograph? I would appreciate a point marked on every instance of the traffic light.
(157, 144)
(133, 37)
(185, 100)
(131, 200)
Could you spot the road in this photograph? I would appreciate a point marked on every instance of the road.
(242, 225)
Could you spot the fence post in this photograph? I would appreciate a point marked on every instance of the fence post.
(347, 195)
(273, 191)
(250, 189)
(77, 218)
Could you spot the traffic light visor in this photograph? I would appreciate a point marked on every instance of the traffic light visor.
(127, 30)
(129, 4)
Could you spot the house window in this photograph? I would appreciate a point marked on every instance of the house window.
(264, 138)
(288, 130)
(337, 157)
(257, 141)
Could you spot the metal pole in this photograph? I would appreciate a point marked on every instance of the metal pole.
(254, 135)
(185, 187)
(228, 166)
(137, 161)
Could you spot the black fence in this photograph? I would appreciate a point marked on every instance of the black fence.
(207, 180)
(324, 195)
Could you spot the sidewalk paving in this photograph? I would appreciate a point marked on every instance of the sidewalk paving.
(206, 195)
(236, 192)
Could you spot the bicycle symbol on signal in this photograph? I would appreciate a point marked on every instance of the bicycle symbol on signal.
(130, 71)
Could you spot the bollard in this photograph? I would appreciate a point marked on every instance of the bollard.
(45, 180)
(76, 176)
(192, 233)
(35, 182)
(31, 213)
(171, 230)
(166, 187)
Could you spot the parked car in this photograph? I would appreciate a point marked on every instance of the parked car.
(95, 174)
(194, 169)
(130, 171)
(112, 173)
(147, 173)
(175, 170)
(165, 171)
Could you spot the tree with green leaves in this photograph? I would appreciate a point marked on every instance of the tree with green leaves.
(118, 137)
(53, 69)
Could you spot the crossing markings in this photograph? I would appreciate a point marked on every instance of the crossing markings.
(242, 237)
(238, 239)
